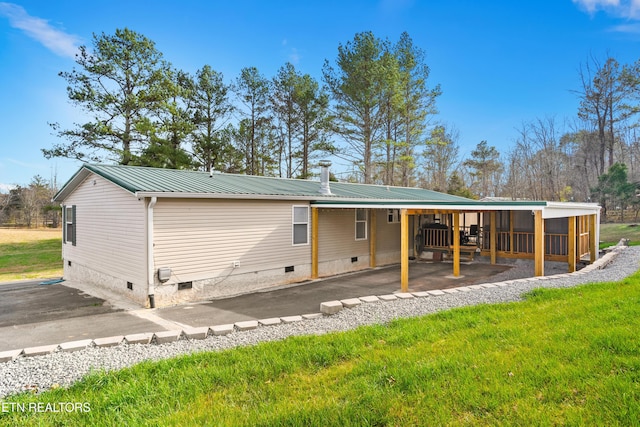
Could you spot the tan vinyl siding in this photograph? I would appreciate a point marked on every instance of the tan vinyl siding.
(110, 230)
(388, 234)
(337, 235)
(199, 239)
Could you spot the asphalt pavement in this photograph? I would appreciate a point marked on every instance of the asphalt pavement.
(32, 314)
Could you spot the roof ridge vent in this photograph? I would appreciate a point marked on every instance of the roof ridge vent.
(325, 190)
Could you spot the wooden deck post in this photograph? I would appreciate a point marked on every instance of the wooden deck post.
(571, 244)
(493, 244)
(480, 223)
(538, 244)
(593, 254)
(456, 244)
(372, 238)
(511, 232)
(314, 243)
(404, 250)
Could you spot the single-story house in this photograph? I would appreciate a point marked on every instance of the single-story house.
(162, 236)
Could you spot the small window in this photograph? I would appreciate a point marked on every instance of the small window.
(69, 220)
(300, 222)
(393, 216)
(361, 224)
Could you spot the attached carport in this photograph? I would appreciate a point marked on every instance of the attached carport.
(575, 240)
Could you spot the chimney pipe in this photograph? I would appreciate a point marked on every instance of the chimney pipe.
(324, 178)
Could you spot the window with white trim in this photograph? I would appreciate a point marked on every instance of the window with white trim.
(393, 216)
(300, 225)
(361, 224)
(69, 224)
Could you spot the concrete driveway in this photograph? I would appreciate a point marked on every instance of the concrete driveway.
(30, 302)
(34, 315)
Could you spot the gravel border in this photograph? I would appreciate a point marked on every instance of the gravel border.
(40, 373)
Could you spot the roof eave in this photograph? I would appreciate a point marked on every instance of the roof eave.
(71, 184)
(314, 199)
(189, 195)
(429, 204)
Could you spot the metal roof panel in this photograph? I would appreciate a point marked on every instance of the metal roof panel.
(137, 179)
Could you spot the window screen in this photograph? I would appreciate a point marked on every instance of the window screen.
(300, 225)
(69, 231)
(361, 224)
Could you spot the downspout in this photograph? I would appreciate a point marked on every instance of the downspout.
(150, 264)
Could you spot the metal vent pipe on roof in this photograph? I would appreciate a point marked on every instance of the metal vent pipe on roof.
(324, 177)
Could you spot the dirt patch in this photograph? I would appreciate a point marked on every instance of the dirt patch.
(22, 235)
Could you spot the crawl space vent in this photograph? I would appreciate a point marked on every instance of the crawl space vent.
(185, 285)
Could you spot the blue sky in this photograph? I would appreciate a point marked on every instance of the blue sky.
(499, 63)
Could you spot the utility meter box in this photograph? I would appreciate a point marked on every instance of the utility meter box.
(164, 274)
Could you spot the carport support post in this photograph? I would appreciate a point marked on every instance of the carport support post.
(404, 250)
(456, 244)
(539, 244)
(372, 238)
(593, 255)
(493, 244)
(571, 244)
(510, 231)
(314, 243)
(480, 235)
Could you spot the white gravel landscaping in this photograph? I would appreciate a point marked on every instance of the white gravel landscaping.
(60, 368)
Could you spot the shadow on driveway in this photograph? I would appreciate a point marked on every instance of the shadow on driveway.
(307, 297)
(30, 302)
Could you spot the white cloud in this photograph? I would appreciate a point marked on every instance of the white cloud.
(26, 165)
(627, 9)
(58, 41)
(635, 8)
(593, 6)
(5, 188)
(294, 56)
(633, 28)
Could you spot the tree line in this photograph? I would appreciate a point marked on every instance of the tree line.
(31, 205)
(143, 111)
(373, 107)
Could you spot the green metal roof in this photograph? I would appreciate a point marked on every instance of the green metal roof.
(144, 181)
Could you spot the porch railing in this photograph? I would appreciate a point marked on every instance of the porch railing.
(436, 237)
(518, 242)
(524, 243)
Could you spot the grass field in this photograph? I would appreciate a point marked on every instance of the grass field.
(610, 234)
(30, 254)
(561, 357)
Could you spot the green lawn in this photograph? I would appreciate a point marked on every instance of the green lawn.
(30, 259)
(562, 357)
(610, 234)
